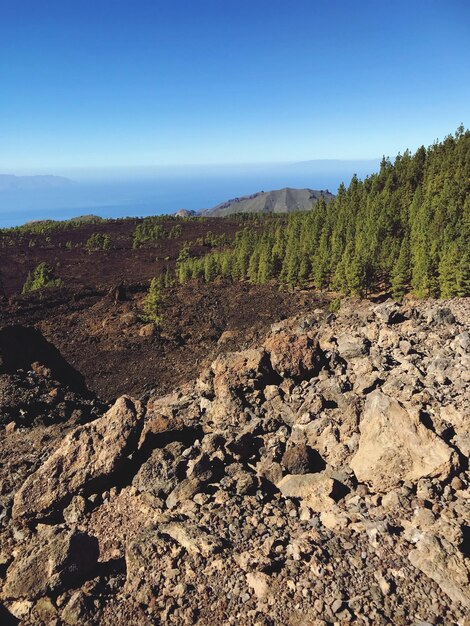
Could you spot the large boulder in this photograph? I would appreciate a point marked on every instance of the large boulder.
(395, 446)
(50, 563)
(294, 355)
(442, 562)
(159, 474)
(459, 418)
(235, 375)
(84, 460)
(352, 347)
(239, 370)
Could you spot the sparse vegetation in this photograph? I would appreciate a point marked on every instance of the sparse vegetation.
(152, 229)
(98, 241)
(175, 232)
(43, 227)
(154, 300)
(40, 278)
(335, 305)
(211, 240)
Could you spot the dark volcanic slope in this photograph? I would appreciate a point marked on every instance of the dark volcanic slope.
(105, 338)
(284, 200)
(65, 250)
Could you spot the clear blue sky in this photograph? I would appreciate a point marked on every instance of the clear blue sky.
(139, 82)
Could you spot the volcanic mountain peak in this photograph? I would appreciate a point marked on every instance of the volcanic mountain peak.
(286, 200)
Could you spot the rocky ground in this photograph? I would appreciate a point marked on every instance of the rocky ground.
(319, 477)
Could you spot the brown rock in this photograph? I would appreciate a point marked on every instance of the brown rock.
(193, 539)
(315, 490)
(158, 475)
(116, 522)
(439, 560)
(41, 369)
(294, 355)
(239, 369)
(350, 347)
(147, 331)
(260, 583)
(86, 456)
(50, 563)
(227, 336)
(395, 446)
(184, 490)
(235, 374)
(141, 575)
(298, 459)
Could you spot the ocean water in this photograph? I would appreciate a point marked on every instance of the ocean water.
(119, 193)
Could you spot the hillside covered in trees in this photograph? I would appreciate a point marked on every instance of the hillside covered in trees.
(405, 228)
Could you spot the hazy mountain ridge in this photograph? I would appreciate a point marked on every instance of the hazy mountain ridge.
(11, 181)
(286, 200)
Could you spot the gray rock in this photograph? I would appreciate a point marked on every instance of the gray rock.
(351, 347)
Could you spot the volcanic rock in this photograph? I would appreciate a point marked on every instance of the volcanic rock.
(85, 458)
(395, 446)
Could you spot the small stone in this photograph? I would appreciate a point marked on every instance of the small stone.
(148, 330)
(259, 582)
(75, 510)
(271, 391)
(457, 484)
(337, 605)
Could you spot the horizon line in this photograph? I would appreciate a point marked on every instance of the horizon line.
(10, 171)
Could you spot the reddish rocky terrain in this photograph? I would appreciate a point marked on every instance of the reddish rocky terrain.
(257, 460)
(318, 477)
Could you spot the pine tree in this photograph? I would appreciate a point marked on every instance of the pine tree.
(401, 274)
(463, 275)
(210, 268)
(40, 278)
(169, 280)
(449, 268)
(356, 276)
(265, 267)
(154, 301)
(253, 266)
(403, 226)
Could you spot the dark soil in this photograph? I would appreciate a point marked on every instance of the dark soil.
(97, 328)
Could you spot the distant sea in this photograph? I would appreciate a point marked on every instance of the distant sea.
(153, 191)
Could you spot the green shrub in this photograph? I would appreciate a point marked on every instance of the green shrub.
(175, 232)
(154, 301)
(149, 230)
(335, 305)
(98, 241)
(40, 278)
